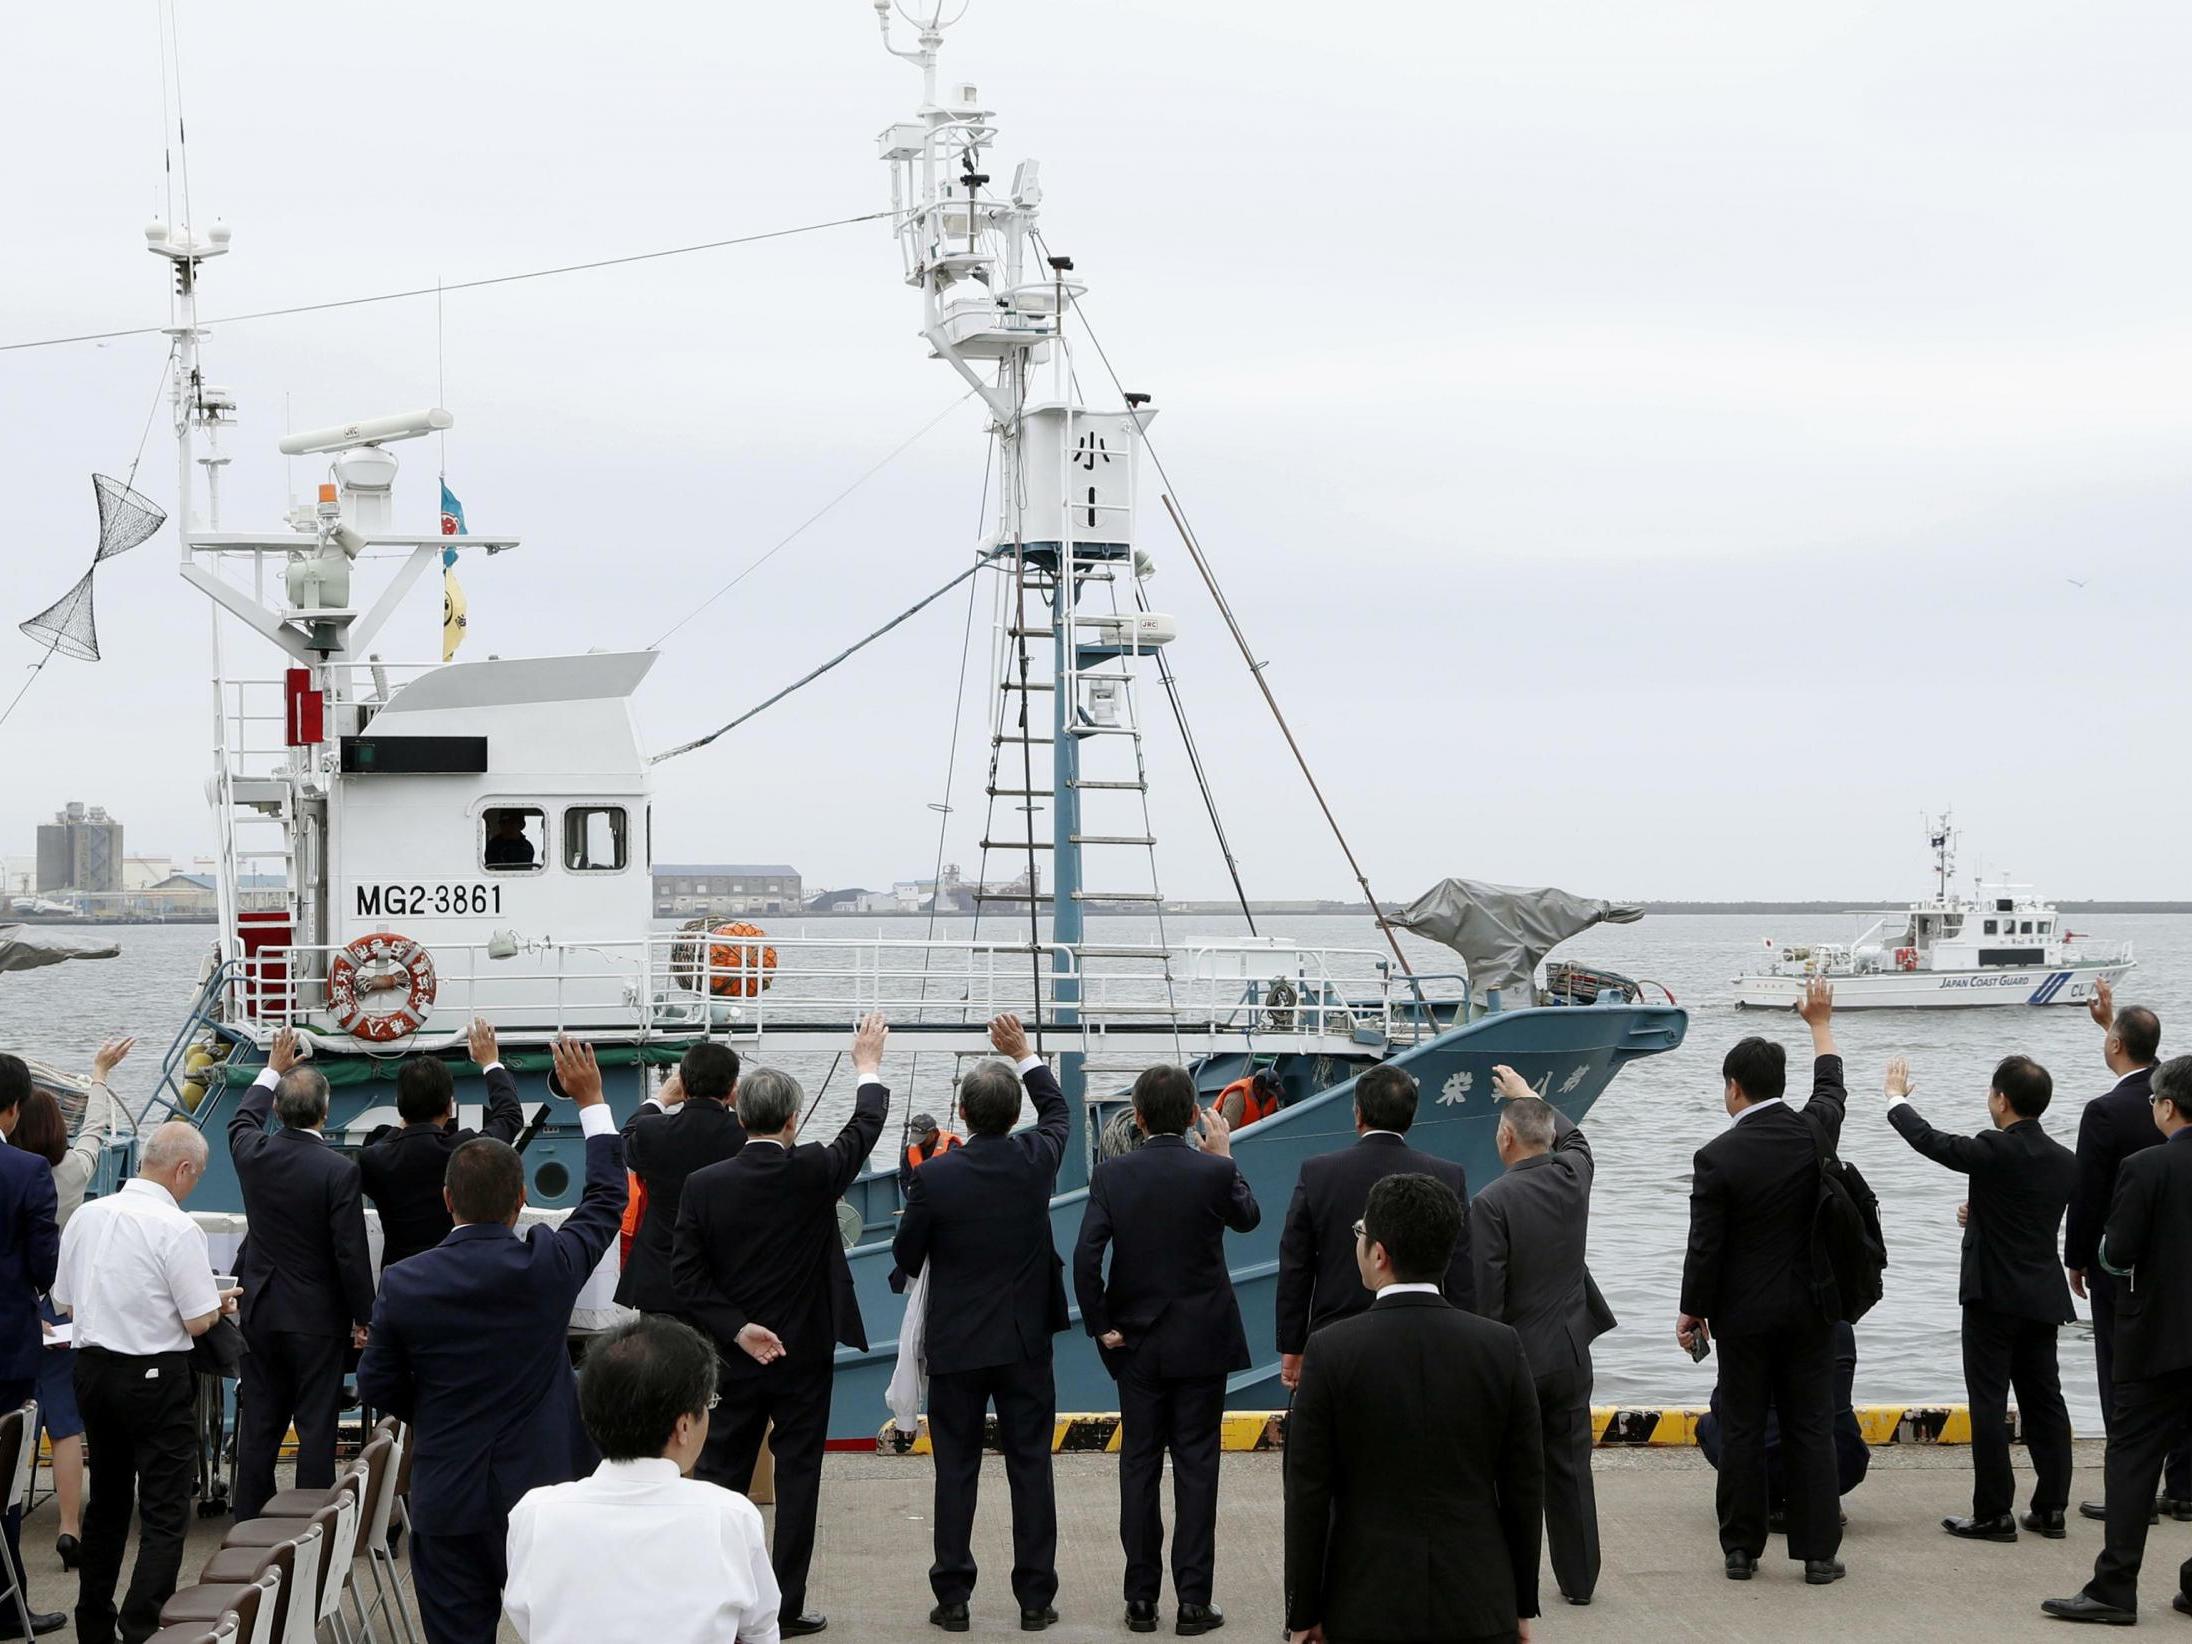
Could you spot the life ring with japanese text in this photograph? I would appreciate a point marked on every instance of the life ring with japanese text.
(372, 968)
(727, 969)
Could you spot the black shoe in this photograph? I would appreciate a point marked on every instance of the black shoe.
(1196, 1619)
(2049, 1525)
(1740, 1565)
(952, 1618)
(70, 1549)
(2177, 1507)
(1819, 1571)
(2085, 1607)
(2181, 1604)
(799, 1626)
(1982, 1529)
(1141, 1615)
(1034, 1621)
(51, 1621)
(2099, 1510)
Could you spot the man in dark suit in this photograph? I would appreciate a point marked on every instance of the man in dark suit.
(977, 1220)
(2149, 1230)
(469, 1345)
(2113, 1127)
(1413, 1483)
(1318, 1281)
(1532, 1228)
(306, 1272)
(403, 1172)
(663, 1149)
(2012, 1289)
(1747, 1283)
(30, 1250)
(760, 1265)
(1170, 1332)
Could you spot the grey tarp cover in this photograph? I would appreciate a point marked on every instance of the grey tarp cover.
(1503, 932)
(26, 947)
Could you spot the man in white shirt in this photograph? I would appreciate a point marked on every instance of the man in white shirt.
(690, 1563)
(137, 1278)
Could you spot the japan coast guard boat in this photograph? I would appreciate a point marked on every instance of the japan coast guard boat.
(475, 837)
(2001, 945)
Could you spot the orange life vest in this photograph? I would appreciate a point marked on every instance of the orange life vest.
(916, 1157)
(635, 1212)
(1253, 1106)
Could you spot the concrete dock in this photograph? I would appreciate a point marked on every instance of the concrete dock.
(1908, 1581)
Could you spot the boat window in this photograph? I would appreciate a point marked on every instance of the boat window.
(1990, 924)
(513, 839)
(2046, 925)
(2026, 930)
(593, 838)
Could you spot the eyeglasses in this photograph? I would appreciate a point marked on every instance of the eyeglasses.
(1361, 1232)
(714, 1399)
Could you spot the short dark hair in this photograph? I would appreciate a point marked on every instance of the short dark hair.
(2025, 1084)
(1417, 1218)
(709, 1071)
(300, 1100)
(1759, 1067)
(1386, 1098)
(486, 1181)
(14, 1081)
(2173, 1083)
(989, 1098)
(424, 1090)
(638, 1378)
(41, 1128)
(2139, 1031)
(1164, 1096)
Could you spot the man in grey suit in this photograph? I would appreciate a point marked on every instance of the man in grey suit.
(1530, 1228)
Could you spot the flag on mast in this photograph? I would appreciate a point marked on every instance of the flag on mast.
(453, 607)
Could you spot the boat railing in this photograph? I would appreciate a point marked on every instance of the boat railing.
(750, 986)
(2084, 950)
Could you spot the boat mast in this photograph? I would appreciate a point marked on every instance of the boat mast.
(1943, 840)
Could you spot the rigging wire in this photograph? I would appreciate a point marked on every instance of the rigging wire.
(814, 674)
(158, 389)
(460, 285)
(790, 536)
(1255, 668)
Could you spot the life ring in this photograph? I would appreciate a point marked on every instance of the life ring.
(344, 1001)
(729, 970)
(1906, 958)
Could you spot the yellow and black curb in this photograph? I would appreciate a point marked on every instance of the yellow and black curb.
(1612, 1428)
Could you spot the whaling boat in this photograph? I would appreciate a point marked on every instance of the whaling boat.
(474, 837)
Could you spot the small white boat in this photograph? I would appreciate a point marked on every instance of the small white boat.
(2003, 945)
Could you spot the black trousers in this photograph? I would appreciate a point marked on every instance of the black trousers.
(1793, 1371)
(797, 1399)
(2100, 1289)
(2150, 1421)
(286, 1377)
(140, 1426)
(1571, 1504)
(2001, 1352)
(1180, 1414)
(459, 1582)
(1027, 1407)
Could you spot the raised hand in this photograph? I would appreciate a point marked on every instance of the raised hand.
(286, 1051)
(1508, 1085)
(479, 1043)
(762, 1344)
(672, 1094)
(1216, 1133)
(1817, 1005)
(1898, 1081)
(109, 1056)
(2102, 1006)
(1008, 1038)
(867, 1046)
(577, 1071)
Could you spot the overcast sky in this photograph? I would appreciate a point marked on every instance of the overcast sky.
(1652, 445)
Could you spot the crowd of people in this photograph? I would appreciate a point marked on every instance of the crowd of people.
(1436, 1349)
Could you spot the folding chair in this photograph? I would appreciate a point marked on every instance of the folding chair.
(269, 1572)
(15, 1451)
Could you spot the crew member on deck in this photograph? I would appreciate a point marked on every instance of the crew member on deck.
(924, 1140)
(1244, 1101)
(507, 846)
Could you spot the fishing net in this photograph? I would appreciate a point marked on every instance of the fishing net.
(66, 624)
(125, 518)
